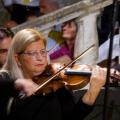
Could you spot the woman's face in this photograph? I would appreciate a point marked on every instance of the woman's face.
(34, 59)
(69, 30)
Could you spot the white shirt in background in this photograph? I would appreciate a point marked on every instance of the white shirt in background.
(104, 49)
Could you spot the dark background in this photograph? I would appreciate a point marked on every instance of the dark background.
(113, 107)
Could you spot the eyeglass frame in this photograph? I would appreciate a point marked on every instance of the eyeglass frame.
(35, 53)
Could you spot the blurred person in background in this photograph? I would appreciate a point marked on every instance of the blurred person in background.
(10, 24)
(5, 41)
(64, 54)
(20, 9)
(54, 36)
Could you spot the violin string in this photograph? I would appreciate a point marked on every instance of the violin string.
(53, 76)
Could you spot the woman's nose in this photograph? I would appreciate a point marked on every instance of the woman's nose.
(39, 56)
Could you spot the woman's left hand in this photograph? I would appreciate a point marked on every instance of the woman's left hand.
(98, 77)
(97, 80)
(27, 86)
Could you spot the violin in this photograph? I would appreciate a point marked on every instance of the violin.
(72, 78)
(54, 77)
(49, 84)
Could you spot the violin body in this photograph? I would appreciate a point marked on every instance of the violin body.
(50, 83)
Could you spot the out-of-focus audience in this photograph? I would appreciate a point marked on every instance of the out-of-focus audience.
(35, 8)
(20, 9)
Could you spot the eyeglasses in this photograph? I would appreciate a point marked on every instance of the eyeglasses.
(3, 51)
(35, 54)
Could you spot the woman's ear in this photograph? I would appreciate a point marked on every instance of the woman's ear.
(17, 59)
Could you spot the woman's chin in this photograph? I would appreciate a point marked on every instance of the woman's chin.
(38, 72)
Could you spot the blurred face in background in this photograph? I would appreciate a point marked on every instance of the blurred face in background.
(46, 6)
(69, 30)
(10, 24)
(4, 46)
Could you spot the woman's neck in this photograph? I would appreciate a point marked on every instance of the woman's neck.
(27, 76)
(70, 44)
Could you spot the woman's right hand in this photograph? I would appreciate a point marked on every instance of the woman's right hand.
(27, 86)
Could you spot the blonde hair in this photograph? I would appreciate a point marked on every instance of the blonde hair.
(20, 41)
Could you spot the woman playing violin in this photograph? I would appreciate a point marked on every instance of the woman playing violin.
(27, 58)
